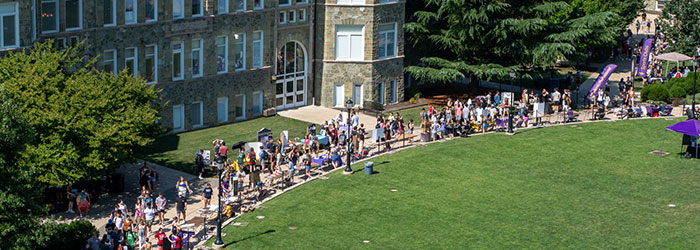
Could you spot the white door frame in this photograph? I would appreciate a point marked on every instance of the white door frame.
(336, 101)
(292, 78)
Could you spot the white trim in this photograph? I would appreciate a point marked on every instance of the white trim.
(242, 37)
(293, 16)
(135, 12)
(57, 18)
(302, 15)
(135, 58)
(180, 49)
(219, 111)
(155, 12)
(283, 17)
(182, 118)
(225, 59)
(155, 62)
(349, 36)
(201, 8)
(182, 9)
(201, 114)
(80, 15)
(361, 97)
(341, 102)
(226, 7)
(114, 15)
(16, 27)
(289, 3)
(200, 53)
(113, 60)
(261, 48)
(385, 34)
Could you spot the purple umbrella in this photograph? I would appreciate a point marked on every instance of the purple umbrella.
(690, 127)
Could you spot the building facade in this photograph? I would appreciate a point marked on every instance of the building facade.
(221, 61)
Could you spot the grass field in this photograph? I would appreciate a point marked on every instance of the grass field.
(178, 151)
(588, 186)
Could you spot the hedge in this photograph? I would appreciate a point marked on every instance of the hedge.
(656, 92)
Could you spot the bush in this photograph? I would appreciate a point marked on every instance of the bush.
(377, 106)
(677, 91)
(69, 236)
(685, 83)
(656, 92)
(689, 99)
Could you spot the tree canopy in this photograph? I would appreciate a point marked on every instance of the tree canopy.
(486, 39)
(84, 121)
(681, 24)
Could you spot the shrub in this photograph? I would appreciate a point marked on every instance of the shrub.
(69, 236)
(412, 100)
(689, 99)
(656, 92)
(377, 106)
(686, 83)
(677, 91)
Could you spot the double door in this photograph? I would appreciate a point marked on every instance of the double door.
(290, 92)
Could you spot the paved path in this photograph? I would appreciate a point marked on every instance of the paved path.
(318, 115)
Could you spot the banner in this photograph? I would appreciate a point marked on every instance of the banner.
(600, 82)
(644, 58)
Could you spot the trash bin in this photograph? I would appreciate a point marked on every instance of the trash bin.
(369, 168)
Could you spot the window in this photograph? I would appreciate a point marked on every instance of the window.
(258, 4)
(283, 17)
(393, 90)
(178, 9)
(130, 12)
(9, 23)
(151, 10)
(151, 63)
(351, 1)
(293, 16)
(196, 117)
(109, 63)
(178, 61)
(223, 6)
(257, 103)
(197, 58)
(382, 93)
(131, 61)
(197, 8)
(74, 14)
(240, 5)
(222, 54)
(302, 1)
(387, 40)
(239, 103)
(349, 42)
(339, 95)
(49, 16)
(60, 43)
(257, 49)
(240, 51)
(74, 40)
(178, 117)
(285, 2)
(387, 1)
(222, 109)
(302, 15)
(357, 94)
(110, 12)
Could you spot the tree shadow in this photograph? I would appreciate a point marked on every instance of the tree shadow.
(249, 237)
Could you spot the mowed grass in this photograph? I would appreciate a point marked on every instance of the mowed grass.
(588, 186)
(178, 151)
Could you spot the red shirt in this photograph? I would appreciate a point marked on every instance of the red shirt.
(159, 236)
(223, 150)
(178, 242)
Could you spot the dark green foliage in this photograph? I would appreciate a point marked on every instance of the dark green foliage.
(69, 236)
(681, 24)
(685, 83)
(677, 91)
(656, 92)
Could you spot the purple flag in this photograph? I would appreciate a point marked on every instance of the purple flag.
(600, 82)
(644, 58)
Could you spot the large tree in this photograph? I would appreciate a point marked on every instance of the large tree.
(486, 39)
(681, 24)
(84, 121)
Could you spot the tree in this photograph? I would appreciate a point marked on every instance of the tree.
(681, 25)
(84, 121)
(486, 39)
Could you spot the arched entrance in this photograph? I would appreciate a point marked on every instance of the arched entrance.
(290, 89)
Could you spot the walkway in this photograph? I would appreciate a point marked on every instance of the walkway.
(318, 115)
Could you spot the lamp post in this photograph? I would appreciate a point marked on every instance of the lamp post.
(218, 241)
(510, 107)
(348, 104)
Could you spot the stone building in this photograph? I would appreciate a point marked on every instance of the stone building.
(221, 61)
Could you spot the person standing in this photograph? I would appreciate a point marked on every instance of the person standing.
(556, 100)
(94, 242)
(149, 214)
(83, 201)
(183, 188)
(159, 237)
(160, 205)
(199, 162)
(206, 195)
(154, 178)
(181, 206)
(223, 152)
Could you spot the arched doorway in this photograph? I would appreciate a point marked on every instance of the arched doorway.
(290, 89)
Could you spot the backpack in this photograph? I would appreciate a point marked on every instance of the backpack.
(251, 157)
(199, 159)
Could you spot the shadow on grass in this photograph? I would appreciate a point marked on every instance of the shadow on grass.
(249, 237)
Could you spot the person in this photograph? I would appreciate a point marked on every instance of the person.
(223, 152)
(206, 195)
(183, 188)
(119, 222)
(72, 195)
(160, 204)
(159, 237)
(83, 201)
(153, 178)
(105, 244)
(149, 215)
(355, 119)
(138, 212)
(166, 244)
(94, 242)
(199, 162)
(556, 99)
(130, 237)
(142, 233)
(176, 241)
(181, 206)
(144, 176)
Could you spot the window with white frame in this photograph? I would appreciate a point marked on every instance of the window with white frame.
(394, 91)
(240, 5)
(178, 9)
(110, 12)
(257, 103)
(285, 2)
(74, 14)
(222, 54)
(257, 49)
(258, 4)
(74, 40)
(151, 10)
(222, 109)
(239, 104)
(351, 1)
(131, 60)
(382, 93)
(130, 11)
(387, 40)
(349, 42)
(197, 57)
(178, 61)
(197, 8)
(293, 16)
(283, 17)
(9, 23)
(240, 51)
(109, 63)
(196, 114)
(302, 15)
(49, 16)
(151, 56)
(222, 7)
(178, 117)
(60, 43)
(302, 1)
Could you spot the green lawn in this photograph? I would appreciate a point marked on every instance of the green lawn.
(411, 114)
(588, 186)
(177, 151)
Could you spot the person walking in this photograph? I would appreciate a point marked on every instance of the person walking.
(160, 205)
(183, 188)
(199, 162)
(181, 207)
(206, 195)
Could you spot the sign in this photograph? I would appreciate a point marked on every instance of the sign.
(207, 157)
(508, 99)
(644, 58)
(538, 109)
(377, 134)
(284, 137)
(600, 82)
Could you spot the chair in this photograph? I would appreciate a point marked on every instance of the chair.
(667, 111)
(570, 116)
(650, 111)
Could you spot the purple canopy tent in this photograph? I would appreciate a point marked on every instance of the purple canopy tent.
(690, 127)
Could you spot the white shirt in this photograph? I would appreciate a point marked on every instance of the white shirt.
(119, 222)
(150, 213)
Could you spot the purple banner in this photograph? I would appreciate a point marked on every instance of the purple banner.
(600, 82)
(644, 58)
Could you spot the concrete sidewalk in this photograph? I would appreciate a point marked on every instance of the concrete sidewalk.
(318, 115)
